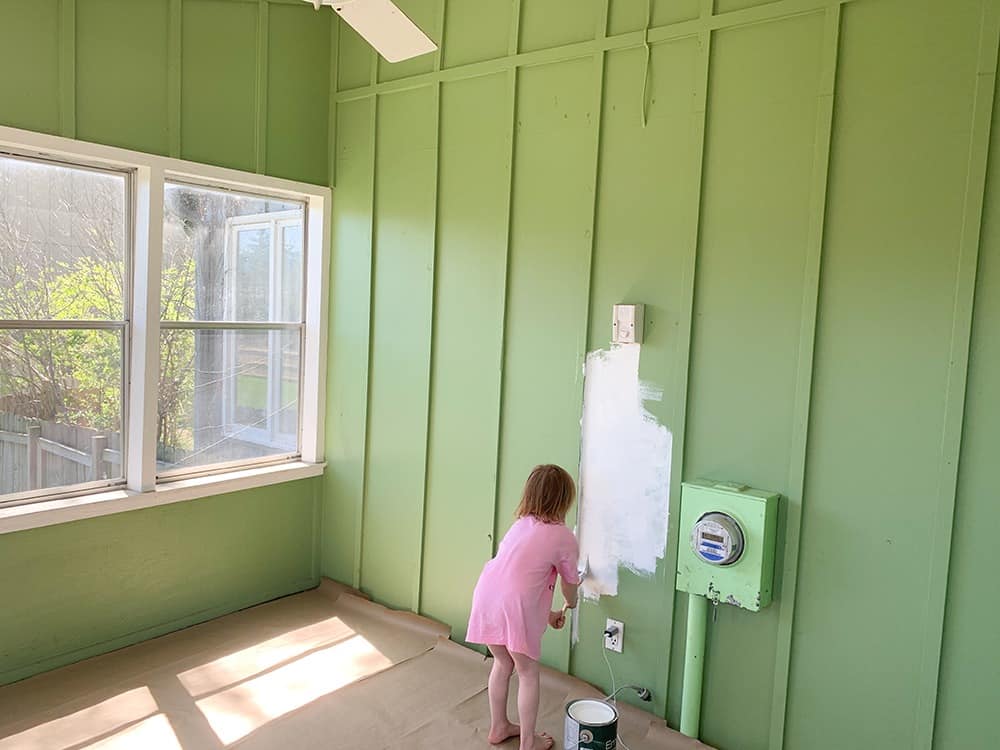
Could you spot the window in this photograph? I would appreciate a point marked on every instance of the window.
(159, 320)
(64, 284)
(232, 328)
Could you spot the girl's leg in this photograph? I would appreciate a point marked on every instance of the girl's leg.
(527, 703)
(503, 667)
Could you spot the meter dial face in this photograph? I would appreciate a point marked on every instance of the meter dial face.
(717, 539)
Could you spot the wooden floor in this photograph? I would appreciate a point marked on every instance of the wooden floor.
(323, 669)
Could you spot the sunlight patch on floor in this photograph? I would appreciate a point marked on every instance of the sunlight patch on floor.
(240, 710)
(86, 724)
(262, 656)
(154, 733)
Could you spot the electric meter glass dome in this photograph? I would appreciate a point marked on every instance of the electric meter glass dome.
(717, 539)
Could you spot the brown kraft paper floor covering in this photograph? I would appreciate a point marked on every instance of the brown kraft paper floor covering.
(322, 669)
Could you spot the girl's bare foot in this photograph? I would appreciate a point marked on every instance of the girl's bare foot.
(504, 733)
(544, 741)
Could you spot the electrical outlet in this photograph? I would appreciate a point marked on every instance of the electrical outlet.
(614, 642)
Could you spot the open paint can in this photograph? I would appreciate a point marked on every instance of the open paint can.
(590, 725)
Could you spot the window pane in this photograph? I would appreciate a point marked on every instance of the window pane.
(291, 272)
(253, 255)
(221, 255)
(227, 396)
(60, 408)
(62, 242)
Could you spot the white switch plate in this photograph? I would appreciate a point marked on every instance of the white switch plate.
(614, 642)
(627, 322)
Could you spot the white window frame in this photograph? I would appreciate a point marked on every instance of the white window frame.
(149, 174)
(275, 222)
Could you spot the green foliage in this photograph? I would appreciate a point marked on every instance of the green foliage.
(74, 376)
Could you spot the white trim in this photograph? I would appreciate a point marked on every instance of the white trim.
(30, 143)
(64, 510)
(150, 172)
(313, 396)
(144, 347)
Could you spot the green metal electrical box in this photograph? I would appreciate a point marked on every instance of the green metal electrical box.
(725, 550)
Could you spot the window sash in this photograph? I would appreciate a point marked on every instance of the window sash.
(263, 435)
(123, 326)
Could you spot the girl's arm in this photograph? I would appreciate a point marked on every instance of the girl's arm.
(570, 592)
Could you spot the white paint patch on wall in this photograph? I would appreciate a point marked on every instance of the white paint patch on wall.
(624, 472)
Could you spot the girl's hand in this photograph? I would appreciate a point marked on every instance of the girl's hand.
(557, 619)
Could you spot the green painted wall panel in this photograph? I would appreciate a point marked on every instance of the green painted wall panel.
(121, 81)
(218, 83)
(355, 59)
(747, 316)
(548, 285)
(473, 188)
(29, 46)
(298, 93)
(493, 21)
(630, 15)
(551, 23)
(971, 657)
(82, 588)
(646, 192)
(426, 14)
(405, 176)
(347, 373)
(884, 339)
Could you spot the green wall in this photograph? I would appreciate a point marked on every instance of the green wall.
(79, 589)
(807, 215)
(240, 84)
(801, 215)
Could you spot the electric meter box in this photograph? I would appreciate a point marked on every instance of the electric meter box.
(725, 551)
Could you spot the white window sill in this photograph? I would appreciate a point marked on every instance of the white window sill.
(63, 510)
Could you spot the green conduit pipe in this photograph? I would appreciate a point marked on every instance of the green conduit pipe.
(694, 665)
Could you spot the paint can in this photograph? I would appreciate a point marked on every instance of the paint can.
(590, 725)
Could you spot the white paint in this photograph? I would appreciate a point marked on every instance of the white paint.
(624, 472)
(592, 713)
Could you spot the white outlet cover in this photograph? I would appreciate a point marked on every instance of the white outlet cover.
(614, 642)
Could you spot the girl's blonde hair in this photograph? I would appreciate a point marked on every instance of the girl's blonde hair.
(548, 494)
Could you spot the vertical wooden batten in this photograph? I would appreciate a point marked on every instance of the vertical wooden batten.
(174, 56)
(260, 101)
(67, 68)
(958, 368)
(803, 390)
(418, 572)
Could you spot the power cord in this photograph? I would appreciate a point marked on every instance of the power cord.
(610, 632)
(642, 692)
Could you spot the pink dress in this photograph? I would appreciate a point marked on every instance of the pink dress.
(513, 598)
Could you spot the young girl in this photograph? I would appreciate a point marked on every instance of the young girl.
(513, 600)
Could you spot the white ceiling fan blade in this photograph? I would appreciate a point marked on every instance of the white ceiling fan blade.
(385, 27)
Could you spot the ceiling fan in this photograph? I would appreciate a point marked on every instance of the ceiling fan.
(383, 25)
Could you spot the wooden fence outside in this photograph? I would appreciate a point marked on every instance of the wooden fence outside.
(36, 454)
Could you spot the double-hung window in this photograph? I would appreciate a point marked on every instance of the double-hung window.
(159, 321)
